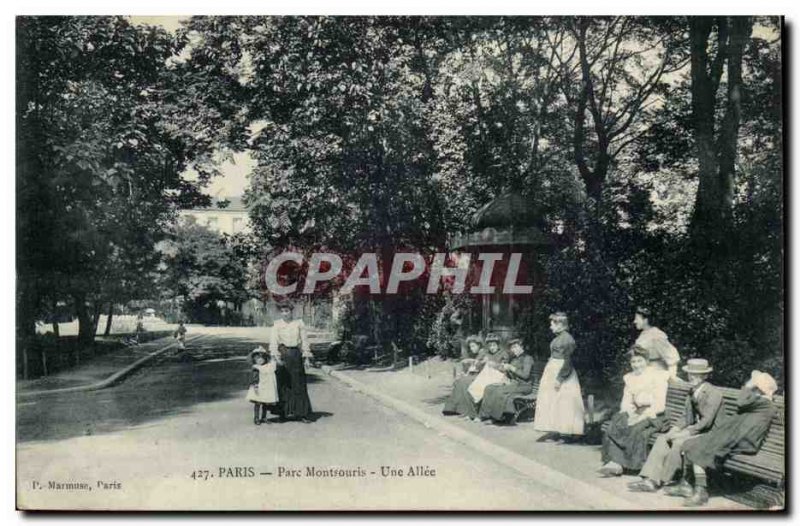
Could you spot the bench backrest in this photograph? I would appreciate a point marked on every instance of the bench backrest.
(538, 369)
(679, 390)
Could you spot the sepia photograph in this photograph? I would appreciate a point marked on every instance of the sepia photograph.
(392, 263)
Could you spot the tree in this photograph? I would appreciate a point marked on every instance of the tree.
(716, 139)
(612, 70)
(102, 145)
(201, 268)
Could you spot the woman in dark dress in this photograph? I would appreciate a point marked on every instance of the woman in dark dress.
(460, 402)
(289, 345)
(498, 399)
(641, 414)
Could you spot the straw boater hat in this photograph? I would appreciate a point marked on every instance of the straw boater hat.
(697, 366)
(765, 383)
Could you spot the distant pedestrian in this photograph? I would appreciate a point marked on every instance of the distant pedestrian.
(263, 390)
(139, 327)
(180, 335)
(559, 407)
(289, 346)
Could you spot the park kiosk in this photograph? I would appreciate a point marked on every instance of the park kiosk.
(506, 225)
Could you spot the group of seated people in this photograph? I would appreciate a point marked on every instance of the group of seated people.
(493, 378)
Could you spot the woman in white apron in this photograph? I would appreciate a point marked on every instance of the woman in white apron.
(559, 405)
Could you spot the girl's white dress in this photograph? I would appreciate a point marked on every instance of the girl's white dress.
(266, 392)
(559, 411)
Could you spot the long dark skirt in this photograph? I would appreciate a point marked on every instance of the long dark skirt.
(460, 402)
(498, 399)
(292, 390)
(627, 445)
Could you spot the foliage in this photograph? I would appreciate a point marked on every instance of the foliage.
(202, 268)
(387, 134)
(102, 145)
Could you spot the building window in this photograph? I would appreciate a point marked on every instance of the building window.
(237, 225)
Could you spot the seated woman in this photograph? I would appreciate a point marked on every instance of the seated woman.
(641, 413)
(475, 351)
(741, 434)
(460, 402)
(498, 399)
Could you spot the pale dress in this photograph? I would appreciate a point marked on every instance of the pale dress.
(266, 391)
(661, 354)
(559, 411)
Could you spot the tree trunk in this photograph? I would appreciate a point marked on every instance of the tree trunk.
(712, 217)
(109, 319)
(741, 27)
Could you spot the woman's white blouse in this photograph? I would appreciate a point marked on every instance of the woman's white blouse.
(290, 334)
(651, 385)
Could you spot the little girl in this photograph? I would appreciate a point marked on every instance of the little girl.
(559, 406)
(263, 390)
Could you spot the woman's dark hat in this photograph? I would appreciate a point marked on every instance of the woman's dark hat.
(474, 338)
(516, 341)
(644, 311)
(492, 337)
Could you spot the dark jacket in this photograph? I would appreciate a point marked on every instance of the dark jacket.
(704, 413)
(562, 348)
(524, 369)
(742, 433)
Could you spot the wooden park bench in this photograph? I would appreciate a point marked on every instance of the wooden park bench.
(768, 464)
(526, 404)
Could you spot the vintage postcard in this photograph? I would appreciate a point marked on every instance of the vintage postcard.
(395, 263)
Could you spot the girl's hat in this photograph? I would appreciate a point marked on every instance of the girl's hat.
(764, 382)
(513, 341)
(697, 366)
(492, 337)
(258, 350)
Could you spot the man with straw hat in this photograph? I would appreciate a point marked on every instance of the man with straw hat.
(741, 434)
(702, 410)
